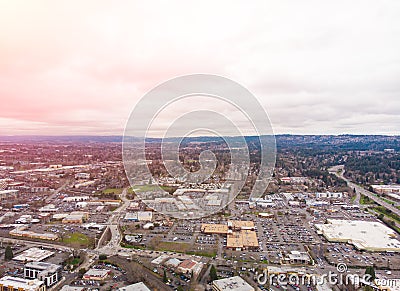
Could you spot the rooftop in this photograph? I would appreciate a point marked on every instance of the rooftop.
(214, 228)
(232, 284)
(33, 254)
(135, 287)
(43, 266)
(17, 283)
(364, 235)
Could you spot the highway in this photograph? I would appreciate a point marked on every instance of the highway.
(339, 172)
(112, 247)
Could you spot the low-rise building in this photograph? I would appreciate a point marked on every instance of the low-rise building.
(76, 217)
(231, 284)
(49, 273)
(189, 266)
(329, 195)
(96, 274)
(73, 288)
(139, 216)
(9, 283)
(33, 255)
(214, 228)
(297, 258)
(135, 287)
(385, 189)
(173, 262)
(21, 232)
(364, 235)
(82, 176)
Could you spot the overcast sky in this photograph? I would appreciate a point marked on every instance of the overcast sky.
(317, 67)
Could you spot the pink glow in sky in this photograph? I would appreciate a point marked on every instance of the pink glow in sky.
(78, 67)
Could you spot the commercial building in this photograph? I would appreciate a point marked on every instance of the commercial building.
(232, 284)
(297, 258)
(135, 287)
(189, 266)
(82, 176)
(240, 225)
(30, 234)
(240, 234)
(385, 189)
(245, 239)
(39, 189)
(48, 208)
(33, 255)
(72, 288)
(329, 195)
(76, 198)
(76, 217)
(214, 228)
(9, 283)
(364, 235)
(49, 273)
(173, 262)
(139, 216)
(96, 274)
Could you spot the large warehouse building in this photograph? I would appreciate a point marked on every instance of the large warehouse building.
(364, 235)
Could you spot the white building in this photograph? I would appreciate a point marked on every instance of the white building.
(82, 176)
(232, 284)
(9, 283)
(364, 235)
(135, 287)
(50, 274)
(329, 195)
(139, 216)
(33, 255)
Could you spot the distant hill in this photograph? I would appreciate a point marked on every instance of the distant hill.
(319, 142)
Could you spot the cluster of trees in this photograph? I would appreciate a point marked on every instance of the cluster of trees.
(8, 254)
(376, 167)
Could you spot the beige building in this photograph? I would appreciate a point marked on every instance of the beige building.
(9, 283)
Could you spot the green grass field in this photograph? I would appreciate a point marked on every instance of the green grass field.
(113, 191)
(364, 200)
(77, 239)
(144, 188)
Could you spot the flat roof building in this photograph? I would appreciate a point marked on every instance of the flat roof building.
(49, 273)
(96, 274)
(214, 228)
(232, 284)
(9, 283)
(241, 224)
(384, 189)
(364, 235)
(297, 258)
(72, 288)
(135, 287)
(244, 239)
(31, 234)
(33, 255)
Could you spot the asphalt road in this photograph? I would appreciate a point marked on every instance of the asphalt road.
(361, 191)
